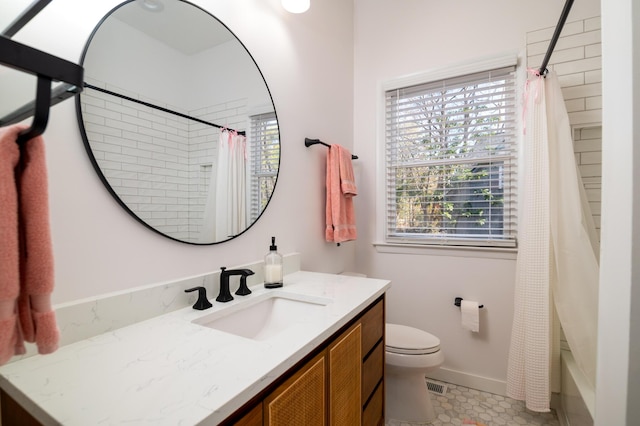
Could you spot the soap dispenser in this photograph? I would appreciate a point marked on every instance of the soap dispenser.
(273, 267)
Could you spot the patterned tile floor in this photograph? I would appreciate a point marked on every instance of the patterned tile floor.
(461, 406)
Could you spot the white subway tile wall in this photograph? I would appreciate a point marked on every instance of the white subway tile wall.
(158, 164)
(577, 61)
(587, 143)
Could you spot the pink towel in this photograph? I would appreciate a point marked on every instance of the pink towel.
(9, 255)
(26, 254)
(347, 180)
(340, 215)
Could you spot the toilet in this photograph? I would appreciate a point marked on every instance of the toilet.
(409, 354)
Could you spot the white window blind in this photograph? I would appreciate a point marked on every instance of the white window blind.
(451, 161)
(265, 160)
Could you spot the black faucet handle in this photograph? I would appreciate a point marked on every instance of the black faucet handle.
(243, 290)
(202, 303)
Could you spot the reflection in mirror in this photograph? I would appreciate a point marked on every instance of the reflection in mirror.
(178, 121)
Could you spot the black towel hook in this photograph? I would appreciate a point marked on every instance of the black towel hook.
(41, 116)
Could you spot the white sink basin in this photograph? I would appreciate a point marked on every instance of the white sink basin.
(266, 315)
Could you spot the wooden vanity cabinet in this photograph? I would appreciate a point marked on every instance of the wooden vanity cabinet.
(373, 326)
(13, 413)
(252, 418)
(341, 383)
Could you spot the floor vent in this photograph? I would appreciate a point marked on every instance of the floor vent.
(437, 388)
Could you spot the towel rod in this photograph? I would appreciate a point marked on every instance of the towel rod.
(46, 67)
(58, 94)
(308, 142)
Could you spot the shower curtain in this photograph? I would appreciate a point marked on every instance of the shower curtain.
(557, 267)
(225, 212)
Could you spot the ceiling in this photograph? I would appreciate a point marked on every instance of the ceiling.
(179, 25)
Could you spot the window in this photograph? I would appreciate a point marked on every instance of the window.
(265, 160)
(450, 149)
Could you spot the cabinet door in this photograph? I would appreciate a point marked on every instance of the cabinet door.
(300, 400)
(252, 418)
(372, 371)
(13, 414)
(345, 378)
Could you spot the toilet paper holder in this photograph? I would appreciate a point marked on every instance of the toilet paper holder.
(458, 301)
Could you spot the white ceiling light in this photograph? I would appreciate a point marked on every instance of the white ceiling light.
(151, 5)
(296, 6)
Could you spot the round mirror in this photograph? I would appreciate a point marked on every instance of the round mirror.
(178, 121)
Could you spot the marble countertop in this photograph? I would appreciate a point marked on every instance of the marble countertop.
(169, 370)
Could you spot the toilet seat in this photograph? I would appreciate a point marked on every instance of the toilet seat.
(401, 339)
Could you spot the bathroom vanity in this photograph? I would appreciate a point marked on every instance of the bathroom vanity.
(318, 359)
(339, 383)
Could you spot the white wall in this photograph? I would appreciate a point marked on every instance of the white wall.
(618, 373)
(396, 39)
(308, 65)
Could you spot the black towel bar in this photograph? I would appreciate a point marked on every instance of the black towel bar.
(308, 142)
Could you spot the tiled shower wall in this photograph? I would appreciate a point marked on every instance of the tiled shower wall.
(158, 163)
(577, 61)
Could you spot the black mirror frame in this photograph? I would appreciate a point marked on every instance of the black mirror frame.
(103, 178)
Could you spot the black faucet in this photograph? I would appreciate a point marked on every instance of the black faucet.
(202, 303)
(243, 290)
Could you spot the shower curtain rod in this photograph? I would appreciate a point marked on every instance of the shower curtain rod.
(556, 35)
(119, 95)
(308, 142)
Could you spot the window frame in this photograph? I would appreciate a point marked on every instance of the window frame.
(388, 244)
(255, 210)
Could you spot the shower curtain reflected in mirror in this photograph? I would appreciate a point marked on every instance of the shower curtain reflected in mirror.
(557, 268)
(225, 212)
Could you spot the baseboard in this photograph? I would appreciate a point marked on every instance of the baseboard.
(486, 384)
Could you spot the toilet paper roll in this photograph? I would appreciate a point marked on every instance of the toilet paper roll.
(470, 312)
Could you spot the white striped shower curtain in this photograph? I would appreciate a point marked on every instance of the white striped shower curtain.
(557, 267)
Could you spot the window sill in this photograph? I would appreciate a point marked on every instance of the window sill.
(452, 251)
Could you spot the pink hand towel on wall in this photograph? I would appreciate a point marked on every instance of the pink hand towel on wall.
(37, 317)
(347, 179)
(27, 284)
(9, 254)
(340, 214)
